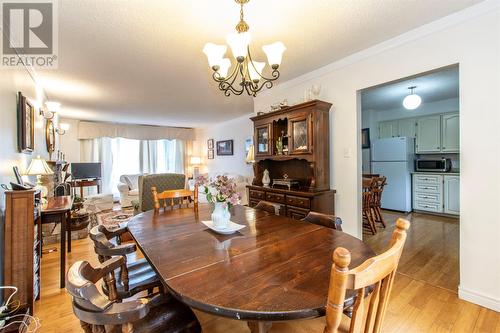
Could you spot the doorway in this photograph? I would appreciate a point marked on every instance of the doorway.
(411, 154)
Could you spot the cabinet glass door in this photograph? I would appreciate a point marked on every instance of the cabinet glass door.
(300, 133)
(263, 136)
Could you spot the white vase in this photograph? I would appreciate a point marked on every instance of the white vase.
(266, 180)
(221, 215)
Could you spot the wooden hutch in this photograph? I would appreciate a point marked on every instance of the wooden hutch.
(304, 131)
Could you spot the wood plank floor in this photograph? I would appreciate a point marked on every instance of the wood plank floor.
(424, 297)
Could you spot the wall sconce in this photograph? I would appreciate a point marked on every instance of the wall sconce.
(52, 109)
(63, 128)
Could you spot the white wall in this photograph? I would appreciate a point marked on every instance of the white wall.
(470, 38)
(239, 130)
(69, 143)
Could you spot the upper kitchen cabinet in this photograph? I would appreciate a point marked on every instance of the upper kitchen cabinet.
(450, 133)
(428, 134)
(388, 129)
(406, 127)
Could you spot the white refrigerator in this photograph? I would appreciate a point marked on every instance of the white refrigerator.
(394, 159)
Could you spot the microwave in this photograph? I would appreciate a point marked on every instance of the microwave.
(434, 165)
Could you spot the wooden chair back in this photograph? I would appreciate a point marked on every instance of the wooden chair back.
(325, 220)
(172, 198)
(378, 184)
(267, 207)
(377, 272)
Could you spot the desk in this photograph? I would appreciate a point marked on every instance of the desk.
(58, 209)
(274, 269)
(86, 183)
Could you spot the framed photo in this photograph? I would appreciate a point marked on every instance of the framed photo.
(25, 124)
(365, 138)
(225, 148)
(210, 154)
(210, 143)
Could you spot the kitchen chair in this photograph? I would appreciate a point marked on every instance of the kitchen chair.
(367, 200)
(377, 190)
(268, 207)
(132, 277)
(325, 220)
(175, 198)
(152, 314)
(378, 272)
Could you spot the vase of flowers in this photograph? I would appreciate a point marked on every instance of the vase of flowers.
(221, 191)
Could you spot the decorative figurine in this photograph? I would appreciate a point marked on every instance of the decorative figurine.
(266, 180)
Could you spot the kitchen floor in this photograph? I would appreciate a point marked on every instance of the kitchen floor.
(431, 250)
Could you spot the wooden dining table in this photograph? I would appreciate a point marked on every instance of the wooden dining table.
(274, 269)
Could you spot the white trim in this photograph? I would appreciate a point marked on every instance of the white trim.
(469, 13)
(478, 298)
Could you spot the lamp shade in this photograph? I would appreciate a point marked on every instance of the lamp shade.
(239, 43)
(64, 126)
(224, 67)
(38, 167)
(255, 70)
(411, 102)
(274, 53)
(195, 160)
(250, 155)
(53, 106)
(214, 53)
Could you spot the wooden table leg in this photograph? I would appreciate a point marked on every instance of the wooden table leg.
(68, 227)
(259, 326)
(62, 283)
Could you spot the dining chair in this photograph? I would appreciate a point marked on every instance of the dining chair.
(133, 276)
(325, 220)
(98, 314)
(175, 198)
(367, 199)
(268, 207)
(377, 272)
(377, 190)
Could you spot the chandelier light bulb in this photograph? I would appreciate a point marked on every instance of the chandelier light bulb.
(64, 126)
(274, 53)
(255, 71)
(224, 66)
(214, 53)
(412, 101)
(239, 44)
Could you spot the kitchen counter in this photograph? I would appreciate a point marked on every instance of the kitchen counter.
(451, 173)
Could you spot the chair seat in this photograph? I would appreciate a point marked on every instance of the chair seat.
(141, 277)
(171, 316)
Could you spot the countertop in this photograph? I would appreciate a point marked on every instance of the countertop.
(451, 173)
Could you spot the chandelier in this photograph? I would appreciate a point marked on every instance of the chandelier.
(247, 74)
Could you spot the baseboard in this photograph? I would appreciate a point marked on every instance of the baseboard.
(478, 298)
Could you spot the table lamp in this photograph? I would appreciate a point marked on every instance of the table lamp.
(195, 161)
(38, 167)
(250, 155)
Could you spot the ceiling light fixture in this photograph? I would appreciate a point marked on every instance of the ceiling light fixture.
(250, 72)
(412, 101)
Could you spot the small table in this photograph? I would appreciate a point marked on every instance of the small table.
(275, 269)
(58, 209)
(86, 183)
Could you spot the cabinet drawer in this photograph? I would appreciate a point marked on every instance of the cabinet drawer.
(275, 197)
(253, 202)
(427, 206)
(296, 213)
(255, 194)
(428, 197)
(428, 188)
(428, 179)
(298, 201)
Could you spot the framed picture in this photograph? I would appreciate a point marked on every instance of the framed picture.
(210, 154)
(210, 143)
(365, 138)
(225, 148)
(25, 124)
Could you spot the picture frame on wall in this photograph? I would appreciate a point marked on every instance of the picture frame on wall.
(210, 154)
(365, 138)
(25, 124)
(210, 143)
(225, 148)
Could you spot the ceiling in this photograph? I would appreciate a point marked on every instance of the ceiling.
(142, 62)
(431, 87)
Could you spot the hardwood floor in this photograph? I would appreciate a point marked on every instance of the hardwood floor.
(415, 306)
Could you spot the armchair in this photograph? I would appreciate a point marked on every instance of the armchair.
(129, 189)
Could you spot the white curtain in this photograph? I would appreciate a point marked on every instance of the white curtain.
(121, 156)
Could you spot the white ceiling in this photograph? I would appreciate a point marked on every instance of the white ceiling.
(432, 87)
(141, 61)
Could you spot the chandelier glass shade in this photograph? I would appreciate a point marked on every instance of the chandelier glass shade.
(412, 101)
(246, 75)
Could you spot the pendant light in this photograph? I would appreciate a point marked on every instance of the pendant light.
(412, 101)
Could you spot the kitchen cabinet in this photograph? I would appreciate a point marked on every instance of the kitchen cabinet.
(450, 133)
(406, 127)
(452, 195)
(428, 134)
(388, 129)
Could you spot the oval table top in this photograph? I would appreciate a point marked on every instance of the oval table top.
(275, 269)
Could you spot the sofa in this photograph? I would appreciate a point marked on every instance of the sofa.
(129, 189)
(241, 185)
